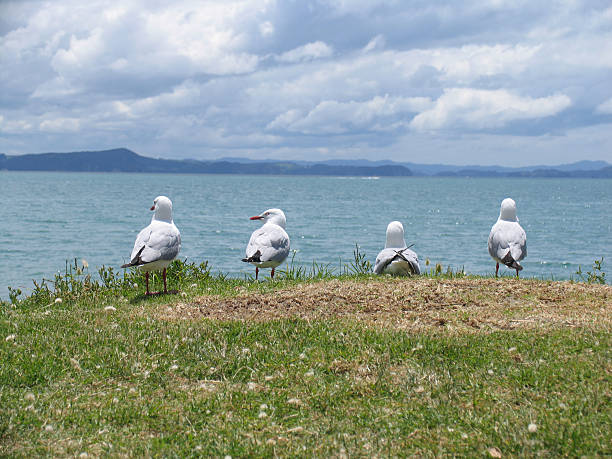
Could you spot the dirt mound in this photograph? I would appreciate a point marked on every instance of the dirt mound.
(416, 303)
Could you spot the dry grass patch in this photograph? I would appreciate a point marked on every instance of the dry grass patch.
(417, 304)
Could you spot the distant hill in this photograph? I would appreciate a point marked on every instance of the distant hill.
(441, 170)
(124, 160)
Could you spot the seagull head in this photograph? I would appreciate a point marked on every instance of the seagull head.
(508, 210)
(163, 209)
(275, 216)
(395, 236)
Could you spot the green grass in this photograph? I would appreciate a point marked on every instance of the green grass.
(77, 376)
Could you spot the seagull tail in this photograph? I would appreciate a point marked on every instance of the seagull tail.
(511, 262)
(256, 257)
(136, 261)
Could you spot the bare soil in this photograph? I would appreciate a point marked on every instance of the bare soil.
(420, 303)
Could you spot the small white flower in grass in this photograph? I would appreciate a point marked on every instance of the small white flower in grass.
(115, 400)
(490, 371)
(464, 435)
(227, 457)
(302, 356)
(309, 374)
(251, 385)
(268, 377)
(30, 396)
(294, 401)
(194, 285)
(183, 294)
(174, 367)
(49, 428)
(271, 441)
(83, 454)
(58, 300)
(262, 414)
(110, 308)
(75, 364)
(132, 391)
(419, 389)
(10, 338)
(263, 406)
(532, 428)
(246, 350)
(512, 349)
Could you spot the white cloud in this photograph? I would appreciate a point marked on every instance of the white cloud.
(309, 51)
(484, 109)
(333, 117)
(360, 77)
(60, 125)
(605, 107)
(375, 44)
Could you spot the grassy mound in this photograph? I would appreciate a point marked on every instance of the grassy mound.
(341, 366)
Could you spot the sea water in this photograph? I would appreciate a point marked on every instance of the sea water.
(47, 218)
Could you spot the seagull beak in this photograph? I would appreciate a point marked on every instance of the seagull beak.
(152, 207)
(257, 217)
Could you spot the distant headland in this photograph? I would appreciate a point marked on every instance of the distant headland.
(124, 160)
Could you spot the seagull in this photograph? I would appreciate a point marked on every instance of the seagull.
(157, 244)
(269, 245)
(396, 258)
(507, 240)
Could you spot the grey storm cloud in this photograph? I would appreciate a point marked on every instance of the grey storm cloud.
(461, 82)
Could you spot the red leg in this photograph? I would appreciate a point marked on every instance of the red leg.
(256, 272)
(272, 274)
(164, 276)
(147, 282)
(496, 269)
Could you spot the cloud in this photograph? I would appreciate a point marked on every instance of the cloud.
(485, 109)
(309, 51)
(333, 117)
(605, 107)
(366, 78)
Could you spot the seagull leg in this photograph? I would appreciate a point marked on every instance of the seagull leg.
(272, 274)
(164, 276)
(147, 282)
(517, 276)
(496, 269)
(256, 272)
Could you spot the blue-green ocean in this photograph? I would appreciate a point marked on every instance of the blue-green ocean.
(50, 217)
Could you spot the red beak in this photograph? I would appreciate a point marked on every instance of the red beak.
(152, 207)
(257, 217)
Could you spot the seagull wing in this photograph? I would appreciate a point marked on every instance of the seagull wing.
(158, 241)
(272, 243)
(507, 237)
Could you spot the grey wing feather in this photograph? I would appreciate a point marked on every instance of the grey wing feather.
(272, 242)
(507, 236)
(161, 241)
(412, 258)
(387, 256)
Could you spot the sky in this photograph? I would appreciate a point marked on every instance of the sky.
(486, 82)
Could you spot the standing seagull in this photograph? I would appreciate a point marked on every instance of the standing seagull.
(396, 258)
(269, 245)
(157, 244)
(507, 240)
